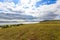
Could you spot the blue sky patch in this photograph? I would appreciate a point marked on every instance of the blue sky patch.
(15, 1)
(1, 0)
(45, 2)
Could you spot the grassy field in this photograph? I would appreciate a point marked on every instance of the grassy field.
(47, 30)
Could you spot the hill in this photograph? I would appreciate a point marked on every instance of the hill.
(39, 31)
(50, 22)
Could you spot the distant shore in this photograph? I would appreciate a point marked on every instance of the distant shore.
(11, 23)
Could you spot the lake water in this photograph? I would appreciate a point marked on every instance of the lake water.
(7, 22)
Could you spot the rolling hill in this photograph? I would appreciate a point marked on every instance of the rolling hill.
(46, 30)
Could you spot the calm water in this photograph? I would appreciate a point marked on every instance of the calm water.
(14, 22)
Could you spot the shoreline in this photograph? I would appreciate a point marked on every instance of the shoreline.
(18, 23)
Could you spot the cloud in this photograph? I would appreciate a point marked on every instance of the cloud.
(28, 7)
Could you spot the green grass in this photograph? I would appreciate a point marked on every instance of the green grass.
(39, 31)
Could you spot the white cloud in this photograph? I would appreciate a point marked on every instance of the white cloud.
(40, 12)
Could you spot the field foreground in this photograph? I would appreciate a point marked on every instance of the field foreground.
(37, 31)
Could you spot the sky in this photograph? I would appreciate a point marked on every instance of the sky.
(40, 9)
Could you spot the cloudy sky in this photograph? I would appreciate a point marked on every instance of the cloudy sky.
(29, 9)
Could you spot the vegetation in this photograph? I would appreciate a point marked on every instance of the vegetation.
(39, 31)
(51, 22)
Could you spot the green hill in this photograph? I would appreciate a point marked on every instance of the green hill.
(51, 22)
(47, 30)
